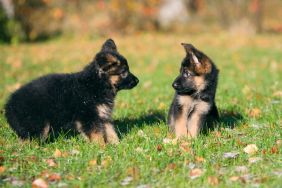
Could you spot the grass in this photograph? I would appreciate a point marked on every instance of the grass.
(248, 97)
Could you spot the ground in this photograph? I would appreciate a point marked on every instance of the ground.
(244, 150)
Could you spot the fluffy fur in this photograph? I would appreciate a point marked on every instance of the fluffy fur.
(80, 102)
(194, 99)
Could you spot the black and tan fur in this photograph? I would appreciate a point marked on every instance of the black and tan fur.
(193, 105)
(80, 102)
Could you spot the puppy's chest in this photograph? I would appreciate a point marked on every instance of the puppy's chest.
(189, 105)
(104, 111)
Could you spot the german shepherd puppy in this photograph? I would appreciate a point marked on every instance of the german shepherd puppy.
(194, 100)
(80, 102)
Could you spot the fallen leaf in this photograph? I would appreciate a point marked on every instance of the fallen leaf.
(241, 169)
(133, 172)
(254, 159)
(186, 147)
(2, 169)
(234, 178)
(212, 180)
(39, 183)
(57, 153)
(106, 162)
(263, 151)
(93, 162)
(159, 147)
(171, 166)
(200, 159)
(195, 173)
(231, 155)
(126, 180)
(274, 150)
(51, 162)
(251, 149)
(255, 112)
(55, 177)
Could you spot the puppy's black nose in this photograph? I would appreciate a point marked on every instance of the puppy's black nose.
(175, 85)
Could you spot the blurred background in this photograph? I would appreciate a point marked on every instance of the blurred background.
(35, 20)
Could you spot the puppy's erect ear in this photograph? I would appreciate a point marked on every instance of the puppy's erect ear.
(109, 45)
(188, 47)
(190, 50)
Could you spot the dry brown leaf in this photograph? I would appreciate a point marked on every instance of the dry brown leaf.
(51, 162)
(255, 112)
(159, 147)
(2, 169)
(39, 183)
(93, 162)
(186, 147)
(57, 153)
(133, 172)
(278, 142)
(234, 178)
(171, 166)
(274, 150)
(251, 149)
(45, 174)
(212, 180)
(55, 177)
(106, 162)
(195, 173)
(200, 159)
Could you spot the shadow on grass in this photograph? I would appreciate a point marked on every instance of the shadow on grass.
(124, 125)
(230, 119)
(227, 119)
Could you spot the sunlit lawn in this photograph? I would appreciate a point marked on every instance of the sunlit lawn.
(249, 100)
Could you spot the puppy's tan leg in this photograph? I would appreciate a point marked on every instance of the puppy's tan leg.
(92, 136)
(197, 118)
(181, 126)
(111, 135)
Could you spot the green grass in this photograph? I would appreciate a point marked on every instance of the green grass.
(250, 78)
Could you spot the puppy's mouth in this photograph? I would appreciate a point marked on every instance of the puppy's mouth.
(182, 91)
(132, 83)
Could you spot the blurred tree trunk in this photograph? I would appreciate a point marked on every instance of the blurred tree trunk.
(256, 8)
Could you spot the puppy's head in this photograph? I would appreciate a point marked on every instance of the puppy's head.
(114, 67)
(195, 72)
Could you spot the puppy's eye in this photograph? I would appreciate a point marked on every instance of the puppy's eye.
(124, 74)
(186, 74)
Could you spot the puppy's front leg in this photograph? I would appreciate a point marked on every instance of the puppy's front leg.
(94, 132)
(110, 134)
(197, 118)
(181, 125)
